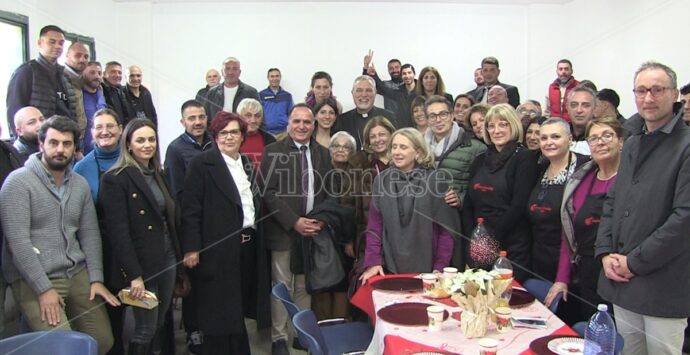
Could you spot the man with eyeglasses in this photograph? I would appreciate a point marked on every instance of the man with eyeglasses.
(497, 95)
(642, 240)
(454, 151)
(581, 102)
(527, 111)
(559, 90)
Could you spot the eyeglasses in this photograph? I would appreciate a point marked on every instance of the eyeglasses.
(605, 138)
(108, 126)
(530, 113)
(656, 91)
(500, 124)
(441, 115)
(231, 133)
(338, 147)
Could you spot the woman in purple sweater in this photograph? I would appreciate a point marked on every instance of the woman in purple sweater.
(410, 228)
(583, 199)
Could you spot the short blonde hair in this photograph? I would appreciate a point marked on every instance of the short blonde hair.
(504, 112)
(426, 159)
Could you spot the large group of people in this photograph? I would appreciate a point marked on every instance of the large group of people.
(577, 195)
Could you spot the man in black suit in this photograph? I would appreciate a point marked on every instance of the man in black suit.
(293, 180)
(490, 72)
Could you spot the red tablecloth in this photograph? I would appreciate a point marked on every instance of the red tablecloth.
(397, 345)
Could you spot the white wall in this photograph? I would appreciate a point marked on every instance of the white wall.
(177, 42)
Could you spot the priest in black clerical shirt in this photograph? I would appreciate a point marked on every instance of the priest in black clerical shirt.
(353, 121)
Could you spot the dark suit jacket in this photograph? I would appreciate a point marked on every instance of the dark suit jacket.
(133, 225)
(513, 94)
(281, 186)
(212, 219)
(215, 97)
(353, 122)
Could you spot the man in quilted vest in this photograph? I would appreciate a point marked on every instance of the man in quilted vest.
(41, 82)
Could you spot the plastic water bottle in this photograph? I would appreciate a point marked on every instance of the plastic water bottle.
(600, 335)
(505, 269)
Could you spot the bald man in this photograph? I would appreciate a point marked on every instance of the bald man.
(138, 96)
(497, 95)
(27, 121)
(212, 79)
(77, 58)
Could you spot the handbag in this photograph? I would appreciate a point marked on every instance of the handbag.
(183, 286)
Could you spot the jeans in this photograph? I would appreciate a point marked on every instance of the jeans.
(148, 321)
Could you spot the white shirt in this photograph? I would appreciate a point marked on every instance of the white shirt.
(310, 169)
(244, 187)
(581, 147)
(229, 97)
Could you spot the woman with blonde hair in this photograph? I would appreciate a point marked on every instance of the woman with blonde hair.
(501, 180)
(401, 235)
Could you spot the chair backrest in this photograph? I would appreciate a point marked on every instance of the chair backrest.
(539, 289)
(281, 292)
(580, 327)
(55, 342)
(309, 333)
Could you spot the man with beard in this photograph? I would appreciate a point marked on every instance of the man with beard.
(182, 149)
(27, 120)
(53, 254)
(559, 89)
(353, 121)
(93, 100)
(75, 63)
(402, 95)
(395, 72)
(581, 103)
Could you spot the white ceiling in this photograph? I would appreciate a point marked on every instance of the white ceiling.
(478, 2)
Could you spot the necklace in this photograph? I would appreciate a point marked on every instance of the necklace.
(605, 179)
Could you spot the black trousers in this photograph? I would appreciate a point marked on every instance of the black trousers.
(231, 344)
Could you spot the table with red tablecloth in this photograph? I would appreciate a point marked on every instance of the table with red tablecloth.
(395, 339)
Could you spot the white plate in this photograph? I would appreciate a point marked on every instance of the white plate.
(567, 346)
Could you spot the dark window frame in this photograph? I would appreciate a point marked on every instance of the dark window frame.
(21, 21)
(90, 41)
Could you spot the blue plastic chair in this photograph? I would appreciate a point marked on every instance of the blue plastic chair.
(281, 292)
(539, 289)
(580, 327)
(347, 338)
(56, 342)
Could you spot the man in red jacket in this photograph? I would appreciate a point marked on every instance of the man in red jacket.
(556, 100)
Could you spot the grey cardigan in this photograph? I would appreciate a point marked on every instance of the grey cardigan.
(48, 237)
